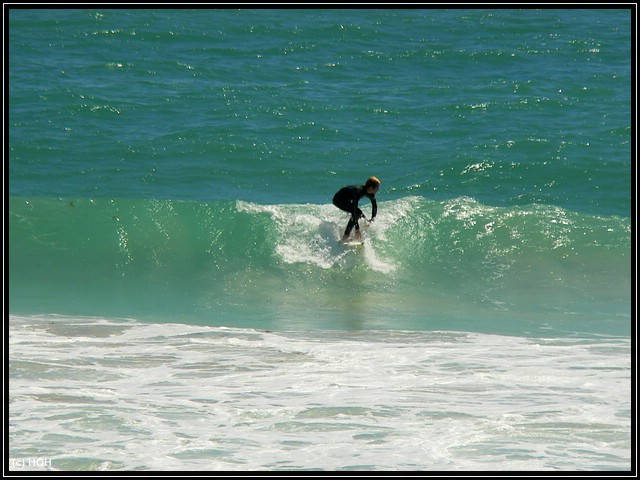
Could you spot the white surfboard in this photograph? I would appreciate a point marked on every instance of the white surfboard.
(353, 243)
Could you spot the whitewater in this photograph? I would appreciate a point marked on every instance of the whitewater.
(167, 397)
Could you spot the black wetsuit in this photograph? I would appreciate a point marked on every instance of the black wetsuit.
(347, 199)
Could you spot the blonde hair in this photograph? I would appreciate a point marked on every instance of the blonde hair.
(372, 182)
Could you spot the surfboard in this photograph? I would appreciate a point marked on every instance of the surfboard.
(353, 243)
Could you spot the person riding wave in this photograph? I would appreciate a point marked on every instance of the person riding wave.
(347, 199)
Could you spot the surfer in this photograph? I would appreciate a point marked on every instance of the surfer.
(347, 199)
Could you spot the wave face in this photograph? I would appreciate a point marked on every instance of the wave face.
(454, 264)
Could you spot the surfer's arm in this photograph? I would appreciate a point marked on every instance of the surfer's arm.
(374, 208)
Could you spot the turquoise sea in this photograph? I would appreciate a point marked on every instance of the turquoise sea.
(177, 295)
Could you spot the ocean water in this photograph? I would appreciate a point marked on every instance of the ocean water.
(178, 298)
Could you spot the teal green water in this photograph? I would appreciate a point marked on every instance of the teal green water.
(178, 165)
(456, 264)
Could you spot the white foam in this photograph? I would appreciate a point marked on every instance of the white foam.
(309, 234)
(99, 394)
